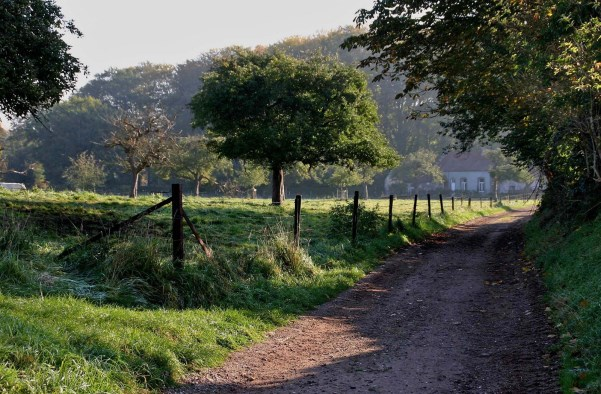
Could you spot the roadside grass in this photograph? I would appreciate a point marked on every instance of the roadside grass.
(570, 260)
(117, 317)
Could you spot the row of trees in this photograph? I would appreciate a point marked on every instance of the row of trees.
(84, 122)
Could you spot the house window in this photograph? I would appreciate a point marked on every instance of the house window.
(463, 184)
(453, 184)
(481, 185)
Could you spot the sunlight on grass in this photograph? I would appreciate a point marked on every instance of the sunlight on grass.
(117, 317)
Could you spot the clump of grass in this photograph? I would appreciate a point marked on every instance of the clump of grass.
(277, 254)
(15, 238)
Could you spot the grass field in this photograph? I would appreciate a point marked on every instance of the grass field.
(117, 317)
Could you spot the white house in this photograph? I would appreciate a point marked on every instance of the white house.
(470, 172)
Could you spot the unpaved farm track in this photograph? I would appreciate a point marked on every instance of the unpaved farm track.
(460, 313)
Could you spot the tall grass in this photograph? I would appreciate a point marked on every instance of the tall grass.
(570, 260)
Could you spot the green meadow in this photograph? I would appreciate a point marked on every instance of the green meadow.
(116, 316)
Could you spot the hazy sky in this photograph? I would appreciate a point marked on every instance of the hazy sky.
(121, 33)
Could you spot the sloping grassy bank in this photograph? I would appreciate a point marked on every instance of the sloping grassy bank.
(571, 262)
(116, 317)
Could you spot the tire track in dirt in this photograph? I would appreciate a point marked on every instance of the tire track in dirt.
(459, 313)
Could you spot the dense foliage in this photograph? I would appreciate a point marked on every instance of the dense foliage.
(524, 74)
(276, 110)
(81, 123)
(36, 67)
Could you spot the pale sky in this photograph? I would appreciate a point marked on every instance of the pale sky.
(121, 33)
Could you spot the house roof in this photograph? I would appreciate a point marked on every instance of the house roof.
(468, 161)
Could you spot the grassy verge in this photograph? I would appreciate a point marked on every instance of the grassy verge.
(572, 271)
(116, 317)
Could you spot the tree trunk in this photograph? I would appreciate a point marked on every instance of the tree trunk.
(197, 189)
(134, 184)
(277, 187)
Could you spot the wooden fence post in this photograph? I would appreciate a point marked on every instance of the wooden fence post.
(297, 218)
(491, 202)
(452, 203)
(390, 202)
(469, 202)
(414, 210)
(441, 204)
(429, 207)
(178, 226)
(355, 215)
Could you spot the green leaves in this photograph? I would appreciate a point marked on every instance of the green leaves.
(35, 66)
(276, 110)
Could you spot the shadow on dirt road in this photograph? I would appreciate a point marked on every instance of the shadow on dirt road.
(460, 313)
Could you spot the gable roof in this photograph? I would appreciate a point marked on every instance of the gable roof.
(473, 160)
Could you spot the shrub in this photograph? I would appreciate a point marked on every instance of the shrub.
(369, 221)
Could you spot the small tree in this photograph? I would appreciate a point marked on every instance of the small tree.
(192, 160)
(251, 176)
(418, 168)
(502, 169)
(85, 172)
(144, 139)
(276, 111)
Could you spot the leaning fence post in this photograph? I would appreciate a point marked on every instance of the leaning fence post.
(414, 210)
(441, 205)
(390, 202)
(355, 214)
(178, 225)
(297, 217)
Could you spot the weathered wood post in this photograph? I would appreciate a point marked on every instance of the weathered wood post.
(469, 202)
(297, 219)
(491, 202)
(355, 215)
(441, 204)
(390, 202)
(452, 203)
(429, 207)
(178, 225)
(414, 210)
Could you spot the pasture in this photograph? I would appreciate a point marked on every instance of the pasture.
(116, 316)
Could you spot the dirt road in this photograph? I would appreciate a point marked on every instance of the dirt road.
(460, 313)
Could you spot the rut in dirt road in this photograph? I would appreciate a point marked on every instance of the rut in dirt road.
(461, 313)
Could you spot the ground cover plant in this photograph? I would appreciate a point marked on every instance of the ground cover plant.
(117, 317)
(569, 256)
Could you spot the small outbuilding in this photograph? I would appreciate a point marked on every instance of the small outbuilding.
(12, 186)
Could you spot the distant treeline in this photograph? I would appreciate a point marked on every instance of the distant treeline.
(41, 151)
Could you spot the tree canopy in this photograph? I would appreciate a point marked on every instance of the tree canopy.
(275, 110)
(35, 64)
(523, 74)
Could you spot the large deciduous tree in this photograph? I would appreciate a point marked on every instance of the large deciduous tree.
(276, 110)
(144, 138)
(35, 64)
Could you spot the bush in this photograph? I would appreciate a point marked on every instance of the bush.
(369, 222)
